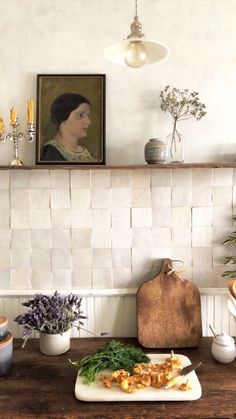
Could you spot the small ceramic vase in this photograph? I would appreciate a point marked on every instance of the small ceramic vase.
(54, 344)
(3, 327)
(6, 349)
(155, 151)
(223, 348)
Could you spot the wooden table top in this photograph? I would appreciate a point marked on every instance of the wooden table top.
(39, 386)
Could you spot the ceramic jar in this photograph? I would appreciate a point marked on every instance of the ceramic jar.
(3, 327)
(54, 344)
(6, 349)
(223, 348)
(155, 151)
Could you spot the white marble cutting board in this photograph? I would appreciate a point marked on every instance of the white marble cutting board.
(96, 392)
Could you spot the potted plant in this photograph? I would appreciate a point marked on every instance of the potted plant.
(181, 105)
(53, 317)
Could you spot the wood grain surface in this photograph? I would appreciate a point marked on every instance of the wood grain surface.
(41, 386)
(168, 311)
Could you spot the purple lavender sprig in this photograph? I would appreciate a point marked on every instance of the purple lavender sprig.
(50, 314)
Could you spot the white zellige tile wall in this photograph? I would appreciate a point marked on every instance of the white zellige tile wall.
(104, 232)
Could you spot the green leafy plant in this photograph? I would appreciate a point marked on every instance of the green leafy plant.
(231, 240)
(182, 105)
(114, 355)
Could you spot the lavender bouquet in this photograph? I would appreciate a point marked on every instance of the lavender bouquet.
(50, 314)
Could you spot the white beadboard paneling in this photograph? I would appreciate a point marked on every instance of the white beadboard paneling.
(204, 315)
(129, 325)
(115, 313)
(218, 303)
(210, 313)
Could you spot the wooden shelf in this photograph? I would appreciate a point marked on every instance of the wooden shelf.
(117, 167)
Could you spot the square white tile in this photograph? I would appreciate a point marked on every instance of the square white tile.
(223, 177)
(81, 218)
(40, 218)
(202, 178)
(19, 179)
(161, 196)
(5, 235)
(21, 278)
(141, 217)
(101, 238)
(80, 179)
(41, 238)
(82, 258)
(101, 278)
(181, 196)
(4, 218)
(39, 179)
(181, 237)
(39, 198)
(122, 278)
(142, 236)
(101, 258)
(141, 197)
(20, 218)
(222, 196)
(162, 237)
(81, 238)
(60, 198)
(61, 239)
(61, 218)
(61, 279)
(222, 216)
(141, 178)
(20, 198)
(202, 256)
(161, 177)
(121, 197)
(182, 178)
(4, 179)
(100, 179)
(41, 279)
(21, 258)
(120, 178)
(202, 216)
(101, 198)
(202, 196)
(121, 218)
(202, 236)
(80, 198)
(4, 199)
(81, 278)
(59, 178)
(181, 216)
(121, 258)
(121, 238)
(20, 238)
(41, 258)
(101, 217)
(162, 217)
(61, 259)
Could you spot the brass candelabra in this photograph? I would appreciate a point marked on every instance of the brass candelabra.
(17, 136)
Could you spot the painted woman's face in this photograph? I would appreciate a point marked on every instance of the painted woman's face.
(78, 122)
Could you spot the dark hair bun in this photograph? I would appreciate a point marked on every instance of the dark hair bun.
(64, 104)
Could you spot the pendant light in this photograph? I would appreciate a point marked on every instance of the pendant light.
(136, 51)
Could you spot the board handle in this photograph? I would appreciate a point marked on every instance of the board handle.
(167, 267)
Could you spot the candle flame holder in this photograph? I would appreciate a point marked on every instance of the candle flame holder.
(17, 136)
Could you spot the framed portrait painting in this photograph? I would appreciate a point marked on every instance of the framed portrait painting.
(70, 119)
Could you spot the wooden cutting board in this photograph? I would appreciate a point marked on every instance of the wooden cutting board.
(168, 311)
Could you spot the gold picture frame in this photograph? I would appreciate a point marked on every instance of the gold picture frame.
(56, 138)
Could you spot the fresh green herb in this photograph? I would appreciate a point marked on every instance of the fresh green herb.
(114, 355)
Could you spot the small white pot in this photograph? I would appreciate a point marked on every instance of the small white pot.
(54, 344)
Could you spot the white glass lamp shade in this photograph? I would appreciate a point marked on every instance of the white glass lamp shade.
(149, 52)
